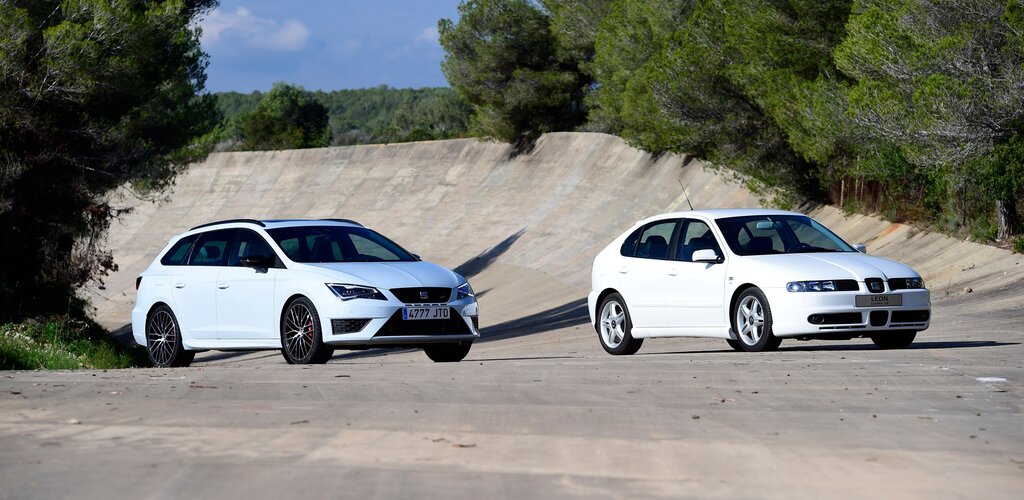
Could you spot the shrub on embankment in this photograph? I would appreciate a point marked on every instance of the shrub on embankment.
(63, 343)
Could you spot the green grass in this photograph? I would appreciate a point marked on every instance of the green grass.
(62, 343)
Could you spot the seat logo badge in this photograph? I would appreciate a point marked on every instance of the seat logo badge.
(424, 294)
(875, 286)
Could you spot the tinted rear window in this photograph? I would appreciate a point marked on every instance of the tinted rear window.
(178, 253)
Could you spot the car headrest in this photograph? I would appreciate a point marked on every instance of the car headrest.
(212, 252)
(657, 247)
(760, 244)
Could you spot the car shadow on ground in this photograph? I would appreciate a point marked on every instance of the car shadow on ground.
(569, 314)
(842, 346)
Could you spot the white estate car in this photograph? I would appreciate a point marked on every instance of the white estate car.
(752, 277)
(301, 286)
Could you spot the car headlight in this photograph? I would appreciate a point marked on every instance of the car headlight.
(811, 286)
(463, 291)
(915, 283)
(349, 292)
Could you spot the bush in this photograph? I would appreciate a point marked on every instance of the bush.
(63, 343)
(1018, 244)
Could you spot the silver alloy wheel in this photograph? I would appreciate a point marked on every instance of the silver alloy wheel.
(162, 336)
(299, 331)
(613, 324)
(750, 320)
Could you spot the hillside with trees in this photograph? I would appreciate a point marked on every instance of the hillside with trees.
(913, 109)
(362, 116)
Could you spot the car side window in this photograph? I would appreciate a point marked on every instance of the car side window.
(655, 239)
(696, 236)
(249, 244)
(212, 248)
(178, 254)
(628, 248)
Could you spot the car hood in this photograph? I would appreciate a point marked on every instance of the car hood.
(388, 274)
(782, 268)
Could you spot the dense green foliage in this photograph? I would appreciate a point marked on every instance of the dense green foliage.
(62, 343)
(366, 116)
(93, 94)
(504, 60)
(286, 118)
(912, 108)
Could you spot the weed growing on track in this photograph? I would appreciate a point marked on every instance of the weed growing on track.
(62, 343)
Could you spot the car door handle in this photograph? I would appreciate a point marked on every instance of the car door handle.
(179, 285)
(673, 272)
(623, 270)
(222, 285)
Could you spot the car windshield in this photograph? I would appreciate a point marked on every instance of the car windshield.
(337, 244)
(775, 234)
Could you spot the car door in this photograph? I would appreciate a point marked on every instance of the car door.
(245, 295)
(644, 274)
(195, 289)
(697, 293)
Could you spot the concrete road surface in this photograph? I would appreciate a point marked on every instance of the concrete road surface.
(536, 414)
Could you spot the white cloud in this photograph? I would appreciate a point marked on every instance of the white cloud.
(429, 35)
(429, 38)
(241, 27)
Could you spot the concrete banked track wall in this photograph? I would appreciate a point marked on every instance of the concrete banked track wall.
(524, 228)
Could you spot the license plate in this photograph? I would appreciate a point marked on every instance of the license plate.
(879, 300)
(414, 313)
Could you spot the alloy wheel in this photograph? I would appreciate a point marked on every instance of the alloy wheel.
(750, 320)
(613, 321)
(162, 335)
(299, 331)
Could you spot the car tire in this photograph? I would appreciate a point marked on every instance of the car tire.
(447, 353)
(615, 327)
(735, 344)
(900, 339)
(163, 340)
(301, 338)
(752, 322)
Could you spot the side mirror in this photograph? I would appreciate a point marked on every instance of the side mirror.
(258, 261)
(706, 255)
(860, 248)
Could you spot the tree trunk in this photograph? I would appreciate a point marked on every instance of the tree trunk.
(1006, 215)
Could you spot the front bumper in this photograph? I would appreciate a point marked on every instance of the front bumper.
(380, 323)
(790, 313)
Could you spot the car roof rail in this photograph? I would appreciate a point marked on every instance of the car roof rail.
(229, 221)
(350, 221)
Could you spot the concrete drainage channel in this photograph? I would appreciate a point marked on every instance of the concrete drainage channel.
(538, 409)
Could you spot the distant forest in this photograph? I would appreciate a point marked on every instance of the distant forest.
(363, 116)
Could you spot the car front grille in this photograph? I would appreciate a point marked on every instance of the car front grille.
(342, 326)
(425, 295)
(874, 285)
(396, 326)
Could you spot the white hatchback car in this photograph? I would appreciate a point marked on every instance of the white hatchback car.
(302, 286)
(752, 277)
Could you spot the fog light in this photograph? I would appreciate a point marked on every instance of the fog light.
(816, 319)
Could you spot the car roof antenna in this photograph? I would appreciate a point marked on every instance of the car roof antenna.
(684, 193)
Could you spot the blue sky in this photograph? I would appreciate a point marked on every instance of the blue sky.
(325, 45)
